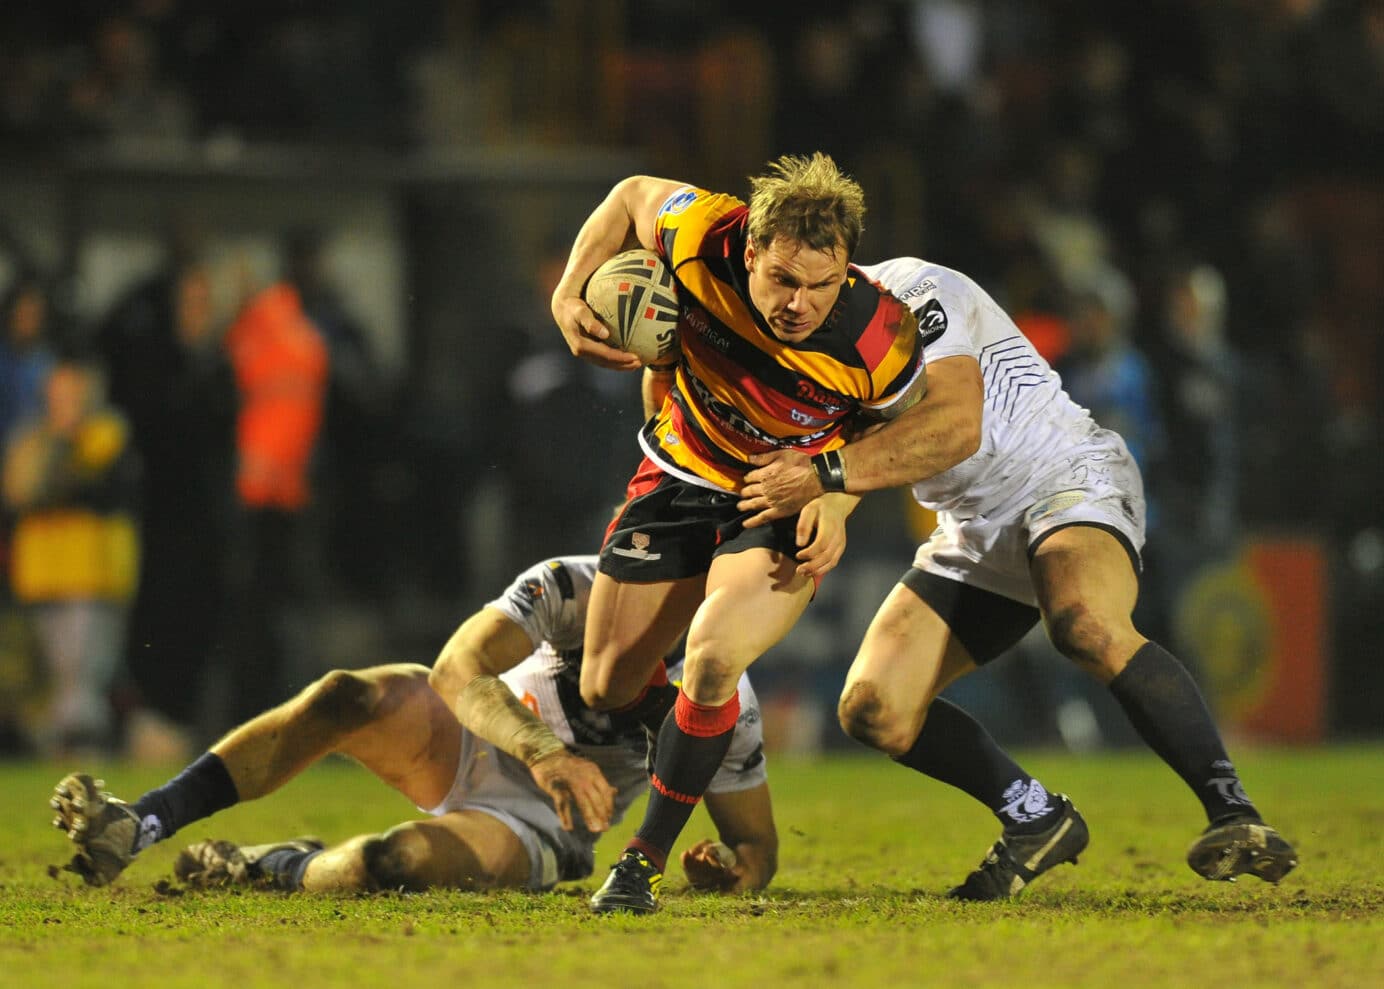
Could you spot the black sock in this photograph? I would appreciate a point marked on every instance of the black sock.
(285, 867)
(650, 709)
(955, 748)
(692, 743)
(199, 791)
(1167, 710)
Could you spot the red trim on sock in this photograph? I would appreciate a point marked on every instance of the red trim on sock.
(706, 721)
(661, 787)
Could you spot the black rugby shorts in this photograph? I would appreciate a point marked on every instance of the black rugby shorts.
(669, 529)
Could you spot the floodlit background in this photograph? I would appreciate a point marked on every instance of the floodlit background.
(1181, 202)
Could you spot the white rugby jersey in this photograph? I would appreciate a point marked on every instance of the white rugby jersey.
(1030, 424)
(548, 600)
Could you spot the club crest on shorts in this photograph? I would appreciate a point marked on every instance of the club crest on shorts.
(639, 548)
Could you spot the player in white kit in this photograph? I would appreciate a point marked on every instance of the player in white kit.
(519, 783)
(1040, 515)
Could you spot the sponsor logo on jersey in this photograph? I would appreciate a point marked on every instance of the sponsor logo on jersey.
(708, 333)
(916, 291)
(811, 392)
(678, 202)
(639, 548)
(526, 595)
(695, 319)
(932, 321)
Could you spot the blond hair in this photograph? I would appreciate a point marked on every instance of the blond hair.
(808, 200)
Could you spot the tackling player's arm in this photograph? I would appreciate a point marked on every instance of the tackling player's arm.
(744, 820)
(939, 431)
(625, 219)
(466, 676)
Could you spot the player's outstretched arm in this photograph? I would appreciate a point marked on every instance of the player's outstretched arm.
(466, 676)
(744, 820)
(624, 219)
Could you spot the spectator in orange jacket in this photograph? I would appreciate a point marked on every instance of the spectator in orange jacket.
(280, 364)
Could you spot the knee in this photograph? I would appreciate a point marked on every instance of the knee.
(394, 860)
(602, 689)
(865, 717)
(1081, 635)
(708, 677)
(612, 678)
(343, 698)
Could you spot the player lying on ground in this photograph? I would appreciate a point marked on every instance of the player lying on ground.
(1040, 514)
(519, 782)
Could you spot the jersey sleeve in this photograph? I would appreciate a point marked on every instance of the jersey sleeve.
(743, 767)
(684, 220)
(902, 363)
(548, 601)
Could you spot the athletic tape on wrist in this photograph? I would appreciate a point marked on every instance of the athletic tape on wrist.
(489, 709)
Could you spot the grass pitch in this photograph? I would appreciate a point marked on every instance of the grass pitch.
(867, 852)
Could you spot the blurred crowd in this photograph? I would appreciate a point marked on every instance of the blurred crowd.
(1182, 204)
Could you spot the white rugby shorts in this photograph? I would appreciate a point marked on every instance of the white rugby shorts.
(1095, 483)
(497, 784)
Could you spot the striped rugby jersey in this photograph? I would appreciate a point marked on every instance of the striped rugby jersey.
(739, 390)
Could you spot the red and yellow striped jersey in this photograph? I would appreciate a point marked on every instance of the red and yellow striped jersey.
(739, 389)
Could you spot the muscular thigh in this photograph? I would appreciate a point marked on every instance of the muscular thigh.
(754, 597)
(630, 628)
(908, 656)
(412, 741)
(1087, 589)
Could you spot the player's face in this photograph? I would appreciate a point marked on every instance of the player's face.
(794, 286)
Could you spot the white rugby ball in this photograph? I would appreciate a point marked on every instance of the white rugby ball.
(633, 294)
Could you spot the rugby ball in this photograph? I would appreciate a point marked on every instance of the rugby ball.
(633, 294)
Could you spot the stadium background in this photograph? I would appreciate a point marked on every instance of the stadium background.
(440, 155)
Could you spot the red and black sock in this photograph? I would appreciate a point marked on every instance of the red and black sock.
(691, 747)
(652, 705)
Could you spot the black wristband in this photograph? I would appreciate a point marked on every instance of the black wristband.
(831, 470)
(668, 368)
